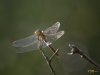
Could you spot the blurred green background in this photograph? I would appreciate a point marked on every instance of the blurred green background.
(80, 19)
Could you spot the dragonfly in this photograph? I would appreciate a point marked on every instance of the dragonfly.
(43, 38)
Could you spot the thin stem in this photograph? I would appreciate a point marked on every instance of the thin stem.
(52, 49)
(53, 55)
(50, 46)
(75, 50)
(48, 61)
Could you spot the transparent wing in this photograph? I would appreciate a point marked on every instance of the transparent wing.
(26, 44)
(53, 29)
(34, 46)
(54, 37)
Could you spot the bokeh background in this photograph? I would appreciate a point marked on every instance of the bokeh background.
(80, 19)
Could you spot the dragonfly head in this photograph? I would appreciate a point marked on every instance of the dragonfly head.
(38, 32)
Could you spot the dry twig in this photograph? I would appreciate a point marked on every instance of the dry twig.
(75, 50)
(48, 60)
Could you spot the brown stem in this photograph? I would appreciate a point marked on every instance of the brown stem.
(49, 61)
(52, 49)
(53, 55)
(75, 50)
(50, 46)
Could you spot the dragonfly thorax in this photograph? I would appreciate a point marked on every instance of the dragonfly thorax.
(39, 34)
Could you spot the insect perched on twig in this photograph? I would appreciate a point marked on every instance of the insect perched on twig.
(39, 38)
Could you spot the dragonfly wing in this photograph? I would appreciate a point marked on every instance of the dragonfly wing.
(32, 47)
(53, 29)
(27, 42)
(55, 36)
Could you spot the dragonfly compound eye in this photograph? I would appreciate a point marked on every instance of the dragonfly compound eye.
(37, 32)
